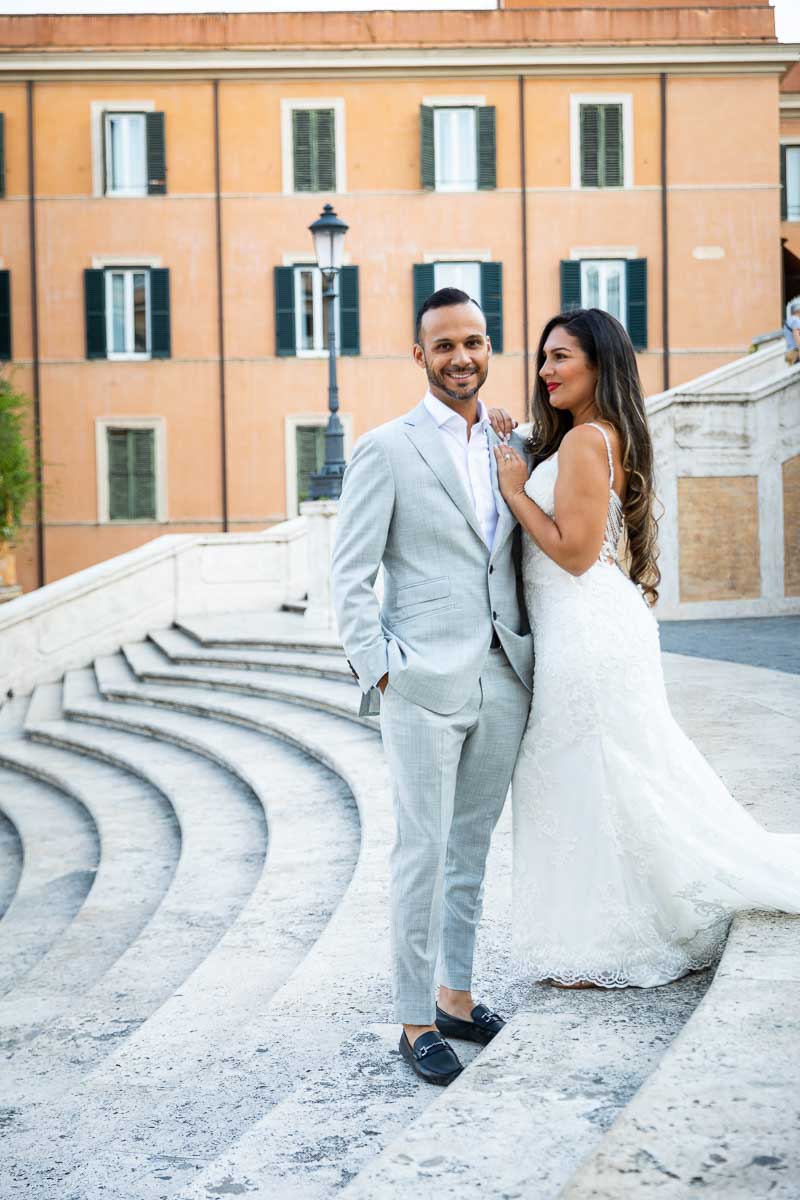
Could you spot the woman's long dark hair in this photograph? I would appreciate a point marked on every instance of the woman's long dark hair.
(620, 402)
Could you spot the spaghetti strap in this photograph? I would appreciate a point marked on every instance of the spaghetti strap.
(607, 441)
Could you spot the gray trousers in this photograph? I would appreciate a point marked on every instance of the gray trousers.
(450, 775)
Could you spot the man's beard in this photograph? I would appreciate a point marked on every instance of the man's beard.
(439, 380)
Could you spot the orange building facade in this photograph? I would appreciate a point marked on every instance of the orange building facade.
(160, 174)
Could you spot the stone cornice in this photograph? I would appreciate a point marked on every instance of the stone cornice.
(764, 58)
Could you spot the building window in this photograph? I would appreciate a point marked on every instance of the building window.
(483, 281)
(791, 183)
(134, 154)
(455, 149)
(131, 457)
(310, 312)
(126, 154)
(601, 134)
(618, 286)
(310, 456)
(312, 133)
(458, 147)
(603, 286)
(128, 313)
(463, 275)
(301, 313)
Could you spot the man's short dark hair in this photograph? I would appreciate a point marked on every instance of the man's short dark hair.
(445, 298)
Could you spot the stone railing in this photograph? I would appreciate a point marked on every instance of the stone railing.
(67, 623)
(727, 449)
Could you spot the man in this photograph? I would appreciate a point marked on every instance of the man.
(791, 333)
(448, 655)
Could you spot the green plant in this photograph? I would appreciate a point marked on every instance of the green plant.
(17, 477)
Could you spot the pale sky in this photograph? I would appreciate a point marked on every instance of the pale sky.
(787, 11)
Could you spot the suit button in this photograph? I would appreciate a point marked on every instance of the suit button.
(491, 569)
(494, 615)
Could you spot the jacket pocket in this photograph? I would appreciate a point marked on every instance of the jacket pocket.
(419, 593)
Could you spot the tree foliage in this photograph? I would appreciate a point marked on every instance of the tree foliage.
(17, 476)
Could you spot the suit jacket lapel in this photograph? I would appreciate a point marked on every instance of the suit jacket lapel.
(421, 429)
(505, 518)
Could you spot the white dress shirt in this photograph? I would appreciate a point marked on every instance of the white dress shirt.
(470, 457)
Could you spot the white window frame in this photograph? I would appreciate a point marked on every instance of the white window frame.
(320, 350)
(791, 144)
(127, 271)
(290, 426)
(575, 101)
(437, 141)
(97, 110)
(287, 141)
(623, 290)
(459, 261)
(101, 428)
(123, 191)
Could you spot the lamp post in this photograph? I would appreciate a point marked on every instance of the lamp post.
(328, 233)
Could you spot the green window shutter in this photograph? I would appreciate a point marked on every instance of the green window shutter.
(636, 292)
(156, 154)
(570, 285)
(131, 474)
(2, 154)
(611, 160)
(118, 498)
(424, 286)
(314, 149)
(94, 291)
(142, 467)
(310, 450)
(5, 315)
(784, 195)
(485, 125)
(427, 152)
(324, 125)
(160, 340)
(349, 330)
(302, 150)
(492, 302)
(285, 343)
(590, 145)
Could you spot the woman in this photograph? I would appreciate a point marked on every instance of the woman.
(630, 856)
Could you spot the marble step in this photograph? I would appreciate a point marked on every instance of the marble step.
(152, 923)
(338, 698)
(265, 631)
(10, 855)
(340, 987)
(181, 649)
(205, 1060)
(720, 1114)
(60, 852)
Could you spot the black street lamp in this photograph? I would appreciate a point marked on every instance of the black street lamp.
(328, 232)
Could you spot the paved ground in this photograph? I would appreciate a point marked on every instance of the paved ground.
(772, 642)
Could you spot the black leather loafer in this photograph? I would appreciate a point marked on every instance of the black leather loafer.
(432, 1058)
(484, 1025)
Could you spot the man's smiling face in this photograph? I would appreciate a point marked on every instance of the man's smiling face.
(454, 351)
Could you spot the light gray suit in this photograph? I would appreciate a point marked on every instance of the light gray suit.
(455, 709)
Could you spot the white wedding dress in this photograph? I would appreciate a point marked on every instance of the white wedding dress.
(630, 856)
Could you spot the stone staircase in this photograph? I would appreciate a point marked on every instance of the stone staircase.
(194, 996)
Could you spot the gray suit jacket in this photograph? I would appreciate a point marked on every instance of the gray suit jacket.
(404, 505)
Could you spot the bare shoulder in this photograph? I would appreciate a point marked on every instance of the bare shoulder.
(584, 444)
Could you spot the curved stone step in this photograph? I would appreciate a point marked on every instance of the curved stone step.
(223, 847)
(10, 858)
(720, 1114)
(60, 852)
(260, 631)
(181, 649)
(221, 1051)
(338, 698)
